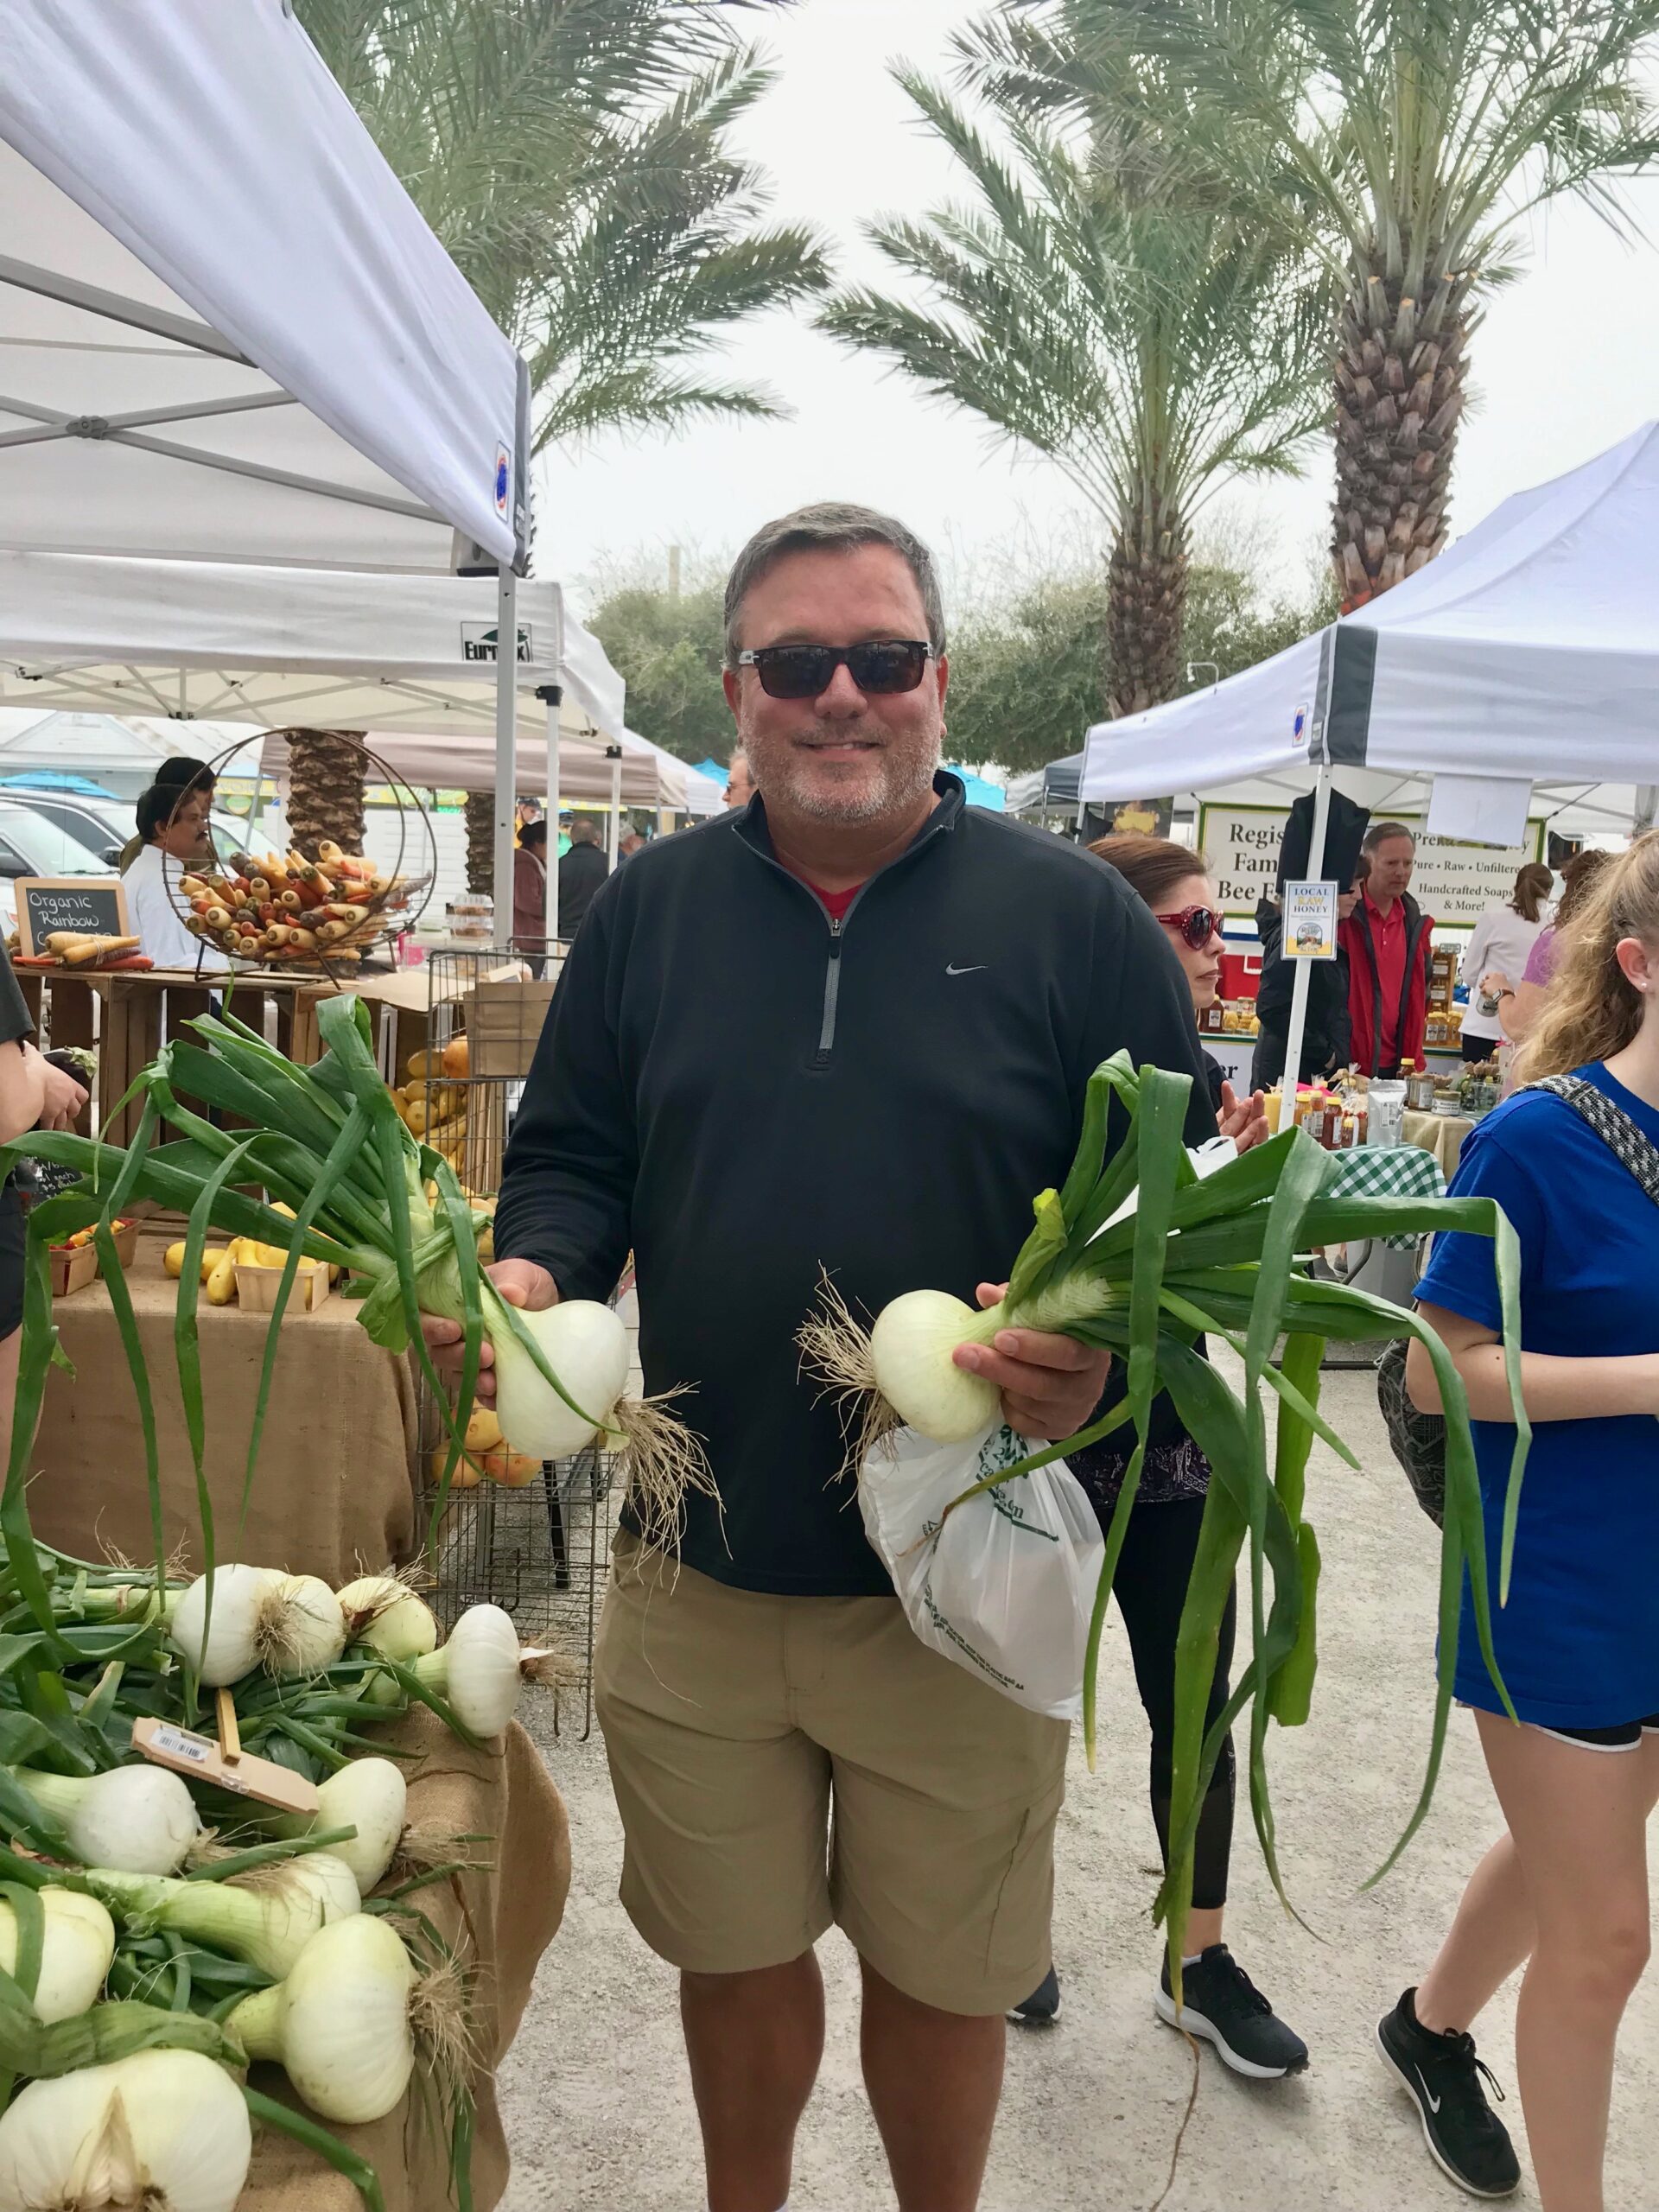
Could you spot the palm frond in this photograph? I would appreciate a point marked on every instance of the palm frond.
(1147, 334)
(574, 158)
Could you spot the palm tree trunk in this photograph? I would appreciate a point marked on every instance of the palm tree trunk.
(1145, 608)
(327, 776)
(481, 843)
(1400, 400)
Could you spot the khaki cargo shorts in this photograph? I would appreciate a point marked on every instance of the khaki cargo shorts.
(785, 1763)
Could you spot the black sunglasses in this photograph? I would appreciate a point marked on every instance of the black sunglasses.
(1197, 924)
(883, 667)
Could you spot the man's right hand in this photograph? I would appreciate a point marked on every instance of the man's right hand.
(519, 1282)
(62, 1097)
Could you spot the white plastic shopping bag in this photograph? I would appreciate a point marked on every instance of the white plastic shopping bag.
(1006, 1585)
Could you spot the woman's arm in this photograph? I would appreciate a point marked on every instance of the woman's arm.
(1552, 1388)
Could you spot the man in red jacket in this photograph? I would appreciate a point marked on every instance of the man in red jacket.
(1387, 940)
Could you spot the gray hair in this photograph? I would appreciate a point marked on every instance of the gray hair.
(830, 527)
(1380, 832)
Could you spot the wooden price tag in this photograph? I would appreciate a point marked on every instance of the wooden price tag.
(222, 1761)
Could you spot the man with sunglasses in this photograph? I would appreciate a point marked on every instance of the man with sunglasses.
(845, 1029)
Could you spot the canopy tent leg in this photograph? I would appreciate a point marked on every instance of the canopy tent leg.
(1647, 798)
(550, 696)
(1292, 1074)
(507, 782)
(613, 829)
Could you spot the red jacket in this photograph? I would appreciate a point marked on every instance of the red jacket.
(1355, 938)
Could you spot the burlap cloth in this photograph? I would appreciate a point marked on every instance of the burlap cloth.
(334, 1492)
(505, 1917)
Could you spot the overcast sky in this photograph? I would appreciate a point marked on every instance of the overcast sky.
(1564, 365)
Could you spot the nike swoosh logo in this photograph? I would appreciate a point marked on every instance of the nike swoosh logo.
(1434, 2102)
(980, 969)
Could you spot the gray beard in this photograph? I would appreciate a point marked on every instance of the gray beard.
(903, 782)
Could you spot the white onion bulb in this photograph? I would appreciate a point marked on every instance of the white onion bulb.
(339, 2025)
(140, 1819)
(911, 1348)
(586, 1344)
(164, 2129)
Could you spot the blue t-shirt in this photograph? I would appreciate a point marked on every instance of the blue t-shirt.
(1578, 1643)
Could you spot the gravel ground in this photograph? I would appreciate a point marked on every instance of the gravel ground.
(597, 2104)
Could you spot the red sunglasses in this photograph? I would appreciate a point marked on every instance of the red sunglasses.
(1196, 925)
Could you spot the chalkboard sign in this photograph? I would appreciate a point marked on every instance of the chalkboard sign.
(91, 905)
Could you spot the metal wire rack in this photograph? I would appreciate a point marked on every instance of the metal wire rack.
(541, 1553)
(490, 998)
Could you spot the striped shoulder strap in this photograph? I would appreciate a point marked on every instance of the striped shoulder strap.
(1611, 1123)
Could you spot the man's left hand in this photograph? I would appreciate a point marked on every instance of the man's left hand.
(1050, 1385)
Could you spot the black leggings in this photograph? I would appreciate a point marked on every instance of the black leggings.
(1150, 1589)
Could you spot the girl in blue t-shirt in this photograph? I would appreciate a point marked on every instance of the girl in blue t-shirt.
(1566, 1890)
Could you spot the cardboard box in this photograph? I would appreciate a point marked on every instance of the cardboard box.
(504, 1022)
(256, 1288)
(72, 1270)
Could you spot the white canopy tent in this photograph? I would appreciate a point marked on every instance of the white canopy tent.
(1525, 656)
(1527, 651)
(201, 640)
(364, 650)
(226, 331)
(594, 771)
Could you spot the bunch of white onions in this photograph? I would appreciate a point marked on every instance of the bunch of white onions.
(77, 1943)
(167, 2130)
(288, 1623)
(384, 1614)
(140, 1820)
(368, 1794)
(339, 2024)
(268, 1925)
(478, 1673)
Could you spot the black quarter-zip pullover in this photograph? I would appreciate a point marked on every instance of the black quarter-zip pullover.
(747, 1093)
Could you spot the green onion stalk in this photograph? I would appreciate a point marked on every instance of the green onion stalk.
(364, 1196)
(1138, 1255)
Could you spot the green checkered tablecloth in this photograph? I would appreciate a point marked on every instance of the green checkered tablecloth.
(1403, 1171)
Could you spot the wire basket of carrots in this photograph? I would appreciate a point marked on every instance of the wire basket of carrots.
(318, 911)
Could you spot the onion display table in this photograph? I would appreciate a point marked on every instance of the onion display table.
(335, 1489)
(501, 1917)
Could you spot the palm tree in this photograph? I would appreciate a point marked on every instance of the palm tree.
(572, 157)
(1404, 139)
(1151, 340)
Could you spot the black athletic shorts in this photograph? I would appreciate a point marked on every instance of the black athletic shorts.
(11, 1261)
(1624, 1738)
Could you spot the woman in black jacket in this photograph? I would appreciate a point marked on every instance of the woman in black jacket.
(1221, 2002)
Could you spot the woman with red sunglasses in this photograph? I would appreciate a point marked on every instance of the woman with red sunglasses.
(1221, 2002)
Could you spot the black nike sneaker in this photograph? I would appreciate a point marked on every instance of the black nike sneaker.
(1042, 2008)
(1221, 2004)
(1466, 2137)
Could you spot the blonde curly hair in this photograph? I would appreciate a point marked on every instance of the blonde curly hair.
(1593, 1009)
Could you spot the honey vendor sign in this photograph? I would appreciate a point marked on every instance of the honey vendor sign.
(1453, 883)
